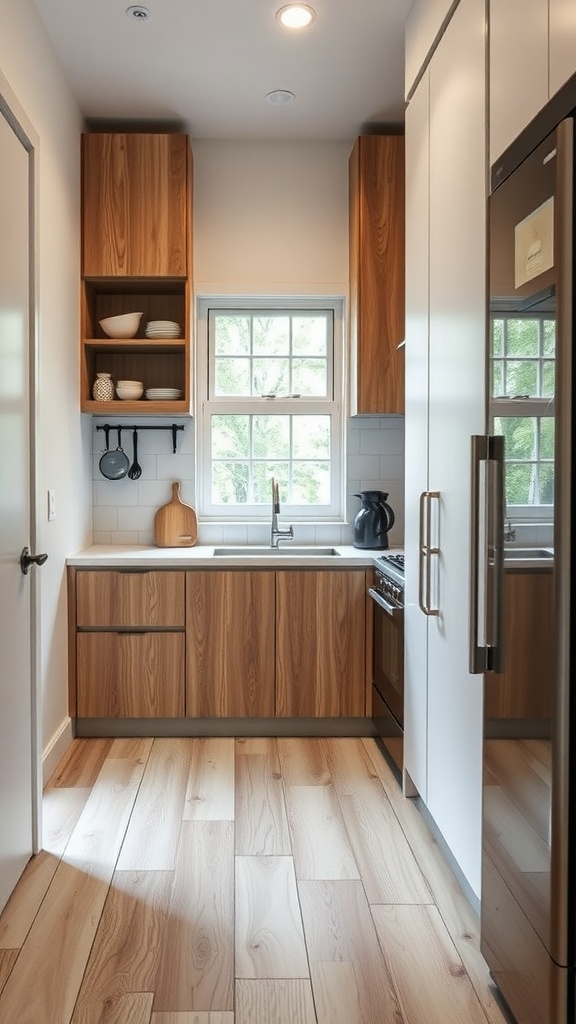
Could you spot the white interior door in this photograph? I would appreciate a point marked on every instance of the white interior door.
(16, 590)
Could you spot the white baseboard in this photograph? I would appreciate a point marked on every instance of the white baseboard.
(56, 748)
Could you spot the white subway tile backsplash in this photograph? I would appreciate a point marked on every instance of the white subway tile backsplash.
(304, 533)
(545, 534)
(105, 517)
(353, 440)
(382, 442)
(158, 492)
(257, 533)
(174, 467)
(391, 468)
(237, 533)
(126, 537)
(115, 492)
(364, 466)
(139, 518)
(102, 537)
(210, 533)
(124, 509)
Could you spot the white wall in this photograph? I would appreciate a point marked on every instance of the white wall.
(269, 218)
(34, 77)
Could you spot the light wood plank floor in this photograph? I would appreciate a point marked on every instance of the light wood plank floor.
(248, 881)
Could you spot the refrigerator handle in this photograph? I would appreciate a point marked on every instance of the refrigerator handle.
(425, 550)
(486, 646)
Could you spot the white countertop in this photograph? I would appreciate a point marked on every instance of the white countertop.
(202, 557)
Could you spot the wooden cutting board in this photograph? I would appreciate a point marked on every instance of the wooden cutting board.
(175, 524)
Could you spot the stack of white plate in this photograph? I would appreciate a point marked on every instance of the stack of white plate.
(162, 329)
(163, 394)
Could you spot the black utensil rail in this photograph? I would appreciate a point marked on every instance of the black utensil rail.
(174, 428)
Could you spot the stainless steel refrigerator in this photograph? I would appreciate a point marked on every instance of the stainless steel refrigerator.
(528, 903)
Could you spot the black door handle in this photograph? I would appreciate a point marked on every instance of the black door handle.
(26, 560)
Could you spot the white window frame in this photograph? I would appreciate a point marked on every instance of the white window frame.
(207, 405)
(507, 407)
(529, 407)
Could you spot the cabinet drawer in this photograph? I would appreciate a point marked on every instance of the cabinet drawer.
(130, 675)
(130, 598)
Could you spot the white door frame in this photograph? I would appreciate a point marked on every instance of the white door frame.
(12, 111)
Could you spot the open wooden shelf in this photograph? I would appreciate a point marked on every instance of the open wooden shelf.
(143, 407)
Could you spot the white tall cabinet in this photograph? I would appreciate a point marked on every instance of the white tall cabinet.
(532, 54)
(562, 53)
(446, 165)
(518, 80)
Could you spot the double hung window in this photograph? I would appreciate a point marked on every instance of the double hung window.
(523, 379)
(270, 395)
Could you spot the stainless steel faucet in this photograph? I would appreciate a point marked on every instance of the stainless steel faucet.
(277, 535)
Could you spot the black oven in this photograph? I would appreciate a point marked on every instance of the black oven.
(387, 593)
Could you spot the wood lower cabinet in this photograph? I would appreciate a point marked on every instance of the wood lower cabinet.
(230, 651)
(130, 598)
(130, 675)
(320, 646)
(524, 689)
(217, 643)
(127, 655)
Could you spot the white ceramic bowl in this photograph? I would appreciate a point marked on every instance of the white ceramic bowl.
(129, 394)
(129, 384)
(123, 326)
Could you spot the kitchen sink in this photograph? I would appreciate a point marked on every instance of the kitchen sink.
(255, 551)
(523, 554)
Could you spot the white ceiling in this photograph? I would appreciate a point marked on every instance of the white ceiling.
(206, 65)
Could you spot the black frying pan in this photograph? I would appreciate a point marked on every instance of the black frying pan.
(114, 464)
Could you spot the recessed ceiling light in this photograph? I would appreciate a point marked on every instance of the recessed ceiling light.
(296, 15)
(138, 13)
(279, 97)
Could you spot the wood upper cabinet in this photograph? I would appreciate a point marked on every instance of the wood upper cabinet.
(320, 645)
(136, 257)
(136, 205)
(230, 650)
(377, 210)
(524, 689)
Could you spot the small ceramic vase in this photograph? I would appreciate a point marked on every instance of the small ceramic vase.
(103, 388)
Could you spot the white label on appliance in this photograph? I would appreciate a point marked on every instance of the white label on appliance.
(534, 244)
